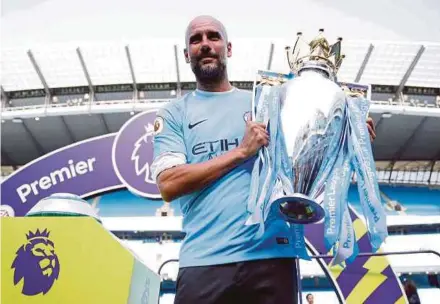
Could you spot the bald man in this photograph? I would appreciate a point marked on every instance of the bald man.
(204, 150)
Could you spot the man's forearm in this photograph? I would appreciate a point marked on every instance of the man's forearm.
(188, 178)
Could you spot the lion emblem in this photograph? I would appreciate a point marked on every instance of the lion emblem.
(142, 156)
(36, 263)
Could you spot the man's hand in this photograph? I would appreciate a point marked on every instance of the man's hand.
(371, 128)
(254, 138)
(184, 179)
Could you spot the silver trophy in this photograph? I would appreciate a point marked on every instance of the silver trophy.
(311, 117)
(318, 139)
(311, 105)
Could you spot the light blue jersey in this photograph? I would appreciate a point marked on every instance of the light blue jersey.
(203, 125)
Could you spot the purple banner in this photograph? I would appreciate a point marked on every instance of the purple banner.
(91, 166)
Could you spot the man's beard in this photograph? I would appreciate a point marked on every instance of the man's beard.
(209, 73)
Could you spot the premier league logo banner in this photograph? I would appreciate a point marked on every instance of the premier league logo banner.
(109, 162)
(318, 139)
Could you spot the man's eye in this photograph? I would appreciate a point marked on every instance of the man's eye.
(194, 39)
(214, 36)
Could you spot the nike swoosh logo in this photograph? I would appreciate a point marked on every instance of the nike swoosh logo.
(190, 126)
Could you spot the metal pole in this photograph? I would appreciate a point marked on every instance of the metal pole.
(179, 84)
(298, 281)
(166, 262)
(88, 78)
(269, 63)
(364, 63)
(368, 254)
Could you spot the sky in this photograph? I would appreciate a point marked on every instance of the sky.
(44, 22)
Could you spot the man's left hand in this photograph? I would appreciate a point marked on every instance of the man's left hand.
(371, 128)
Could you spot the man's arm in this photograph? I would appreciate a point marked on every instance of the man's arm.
(371, 128)
(185, 179)
(188, 178)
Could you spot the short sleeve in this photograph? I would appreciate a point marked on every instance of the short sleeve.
(169, 137)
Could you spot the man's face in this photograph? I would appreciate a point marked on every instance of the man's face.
(310, 299)
(207, 50)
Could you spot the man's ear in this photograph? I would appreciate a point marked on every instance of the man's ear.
(229, 49)
(185, 53)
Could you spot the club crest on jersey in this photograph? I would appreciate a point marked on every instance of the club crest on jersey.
(247, 116)
(158, 125)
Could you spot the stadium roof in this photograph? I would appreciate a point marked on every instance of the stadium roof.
(406, 130)
(385, 63)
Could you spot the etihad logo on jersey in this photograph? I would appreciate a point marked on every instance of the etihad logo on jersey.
(212, 147)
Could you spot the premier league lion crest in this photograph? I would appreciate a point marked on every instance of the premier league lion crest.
(133, 153)
(36, 263)
(140, 154)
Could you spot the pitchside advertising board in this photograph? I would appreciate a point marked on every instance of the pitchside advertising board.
(123, 159)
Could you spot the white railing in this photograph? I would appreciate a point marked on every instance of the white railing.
(123, 106)
(84, 104)
(154, 254)
(89, 104)
(174, 223)
(400, 177)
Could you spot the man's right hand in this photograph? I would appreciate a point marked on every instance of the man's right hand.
(184, 179)
(254, 138)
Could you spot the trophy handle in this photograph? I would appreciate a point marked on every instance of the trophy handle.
(291, 58)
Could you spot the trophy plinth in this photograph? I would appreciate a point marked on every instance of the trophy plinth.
(298, 208)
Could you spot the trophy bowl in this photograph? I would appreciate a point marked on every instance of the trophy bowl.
(313, 127)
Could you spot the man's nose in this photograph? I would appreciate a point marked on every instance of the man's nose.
(206, 44)
(205, 48)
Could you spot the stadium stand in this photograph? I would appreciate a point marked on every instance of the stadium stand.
(54, 96)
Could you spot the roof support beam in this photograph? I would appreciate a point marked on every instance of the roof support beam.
(430, 171)
(176, 58)
(133, 77)
(86, 74)
(409, 71)
(69, 132)
(104, 122)
(378, 124)
(6, 159)
(402, 149)
(5, 97)
(269, 62)
(38, 146)
(40, 75)
(436, 158)
(364, 63)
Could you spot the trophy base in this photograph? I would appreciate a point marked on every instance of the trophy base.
(300, 209)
